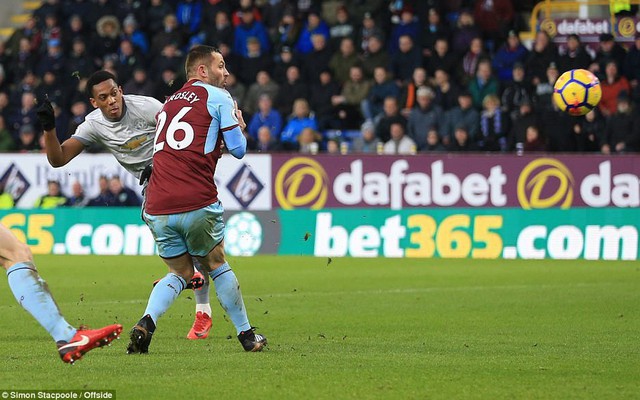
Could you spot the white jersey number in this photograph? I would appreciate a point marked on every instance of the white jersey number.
(174, 126)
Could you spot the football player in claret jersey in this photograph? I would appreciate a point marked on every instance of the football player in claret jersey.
(125, 125)
(32, 292)
(183, 210)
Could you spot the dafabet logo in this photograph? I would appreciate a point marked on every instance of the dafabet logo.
(545, 183)
(301, 182)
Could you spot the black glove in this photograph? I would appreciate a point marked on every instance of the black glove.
(146, 174)
(45, 115)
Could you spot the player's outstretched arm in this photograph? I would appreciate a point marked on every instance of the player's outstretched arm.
(57, 154)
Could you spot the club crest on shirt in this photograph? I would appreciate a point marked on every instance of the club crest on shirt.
(136, 141)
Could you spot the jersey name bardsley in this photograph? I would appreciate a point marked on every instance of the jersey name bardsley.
(191, 126)
(130, 139)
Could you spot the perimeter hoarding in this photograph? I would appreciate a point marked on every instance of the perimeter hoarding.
(242, 184)
(579, 233)
(448, 180)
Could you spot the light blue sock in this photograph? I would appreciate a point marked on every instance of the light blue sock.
(33, 294)
(163, 295)
(230, 297)
(202, 294)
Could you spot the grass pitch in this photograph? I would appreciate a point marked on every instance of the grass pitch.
(349, 329)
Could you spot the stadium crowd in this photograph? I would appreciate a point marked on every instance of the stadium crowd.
(394, 77)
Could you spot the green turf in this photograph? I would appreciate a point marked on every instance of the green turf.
(353, 329)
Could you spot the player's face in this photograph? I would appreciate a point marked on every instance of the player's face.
(217, 72)
(107, 96)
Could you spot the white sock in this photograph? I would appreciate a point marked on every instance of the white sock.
(204, 308)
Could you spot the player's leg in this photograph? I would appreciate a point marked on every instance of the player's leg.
(33, 294)
(202, 323)
(225, 281)
(173, 251)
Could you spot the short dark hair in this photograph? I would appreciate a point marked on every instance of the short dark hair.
(97, 78)
(198, 55)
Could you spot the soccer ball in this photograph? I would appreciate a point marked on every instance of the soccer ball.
(577, 92)
(243, 235)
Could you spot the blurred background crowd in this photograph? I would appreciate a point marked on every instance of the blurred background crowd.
(393, 77)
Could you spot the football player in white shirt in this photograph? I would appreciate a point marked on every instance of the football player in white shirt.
(126, 126)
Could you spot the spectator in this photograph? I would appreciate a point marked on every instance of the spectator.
(461, 141)
(469, 65)
(508, 55)
(367, 142)
(316, 60)
(342, 28)
(321, 94)
(608, 51)
(433, 30)
(77, 198)
(283, 61)
(441, 57)
(105, 197)
(122, 195)
(542, 98)
(543, 52)
(249, 27)
(7, 142)
(293, 88)
(255, 60)
(309, 141)
(368, 31)
(433, 142)
(409, 89)
(494, 18)
(300, 118)
(516, 92)
(314, 26)
(25, 114)
(155, 22)
(574, 55)
(494, 126)
(189, 15)
(287, 31)
(79, 111)
(50, 87)
(107, 40)
(27, 139)
(51, 30)
(170, 57)
(348, 102)
(136, 36)
(612, 86)
(463, 34)
(53, 198)
(237, 90)
(589, 131)
(399, 143)
(382, 87)
(375, 57)
(342, 60)
(464, 114)
(78, 63)
(407, 26)
(533, 141)
(523, 118)
(266, 141)
(390, 115)
(166, 85)
(221, 31)
(445, 90)
(139, 83)
(619, 129)
(483, 84)
(265, 116)
(406, 60)
(557, 127)
(32, 38)
(333, 146)
(245, 6)
(129, 58)
(170, 33)
(263, 85)
(76, 30)
(632, 68)
(425, 116)
(24, 60)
